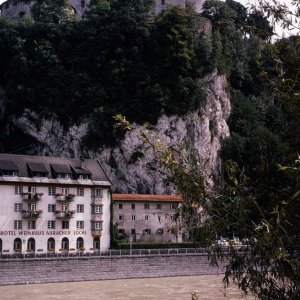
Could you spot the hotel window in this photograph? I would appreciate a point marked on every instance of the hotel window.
(97, 225)
(18, 190)
(18, 207)
(146, 206)
(65, 191)
(80, 224)
(9, 173)
(80, 192)
(51, 208)
(120, 206)
(121, 218)
(32, 189)
(17, 224)
(97, 209)
(64, 207)
(172, 217)
(51, 191)
(31, 224)
(173, 206)
(132, 217)
(32, 206)
(160, 231)
(65, 224)
(97, 193)
(158, 206)
(51, 225)
(133, 231)
(82, 4)
(64, 176)
(163, 2)
(80, 208)
(133, 206)
(147, 231)
(84, 176)
(146, 217)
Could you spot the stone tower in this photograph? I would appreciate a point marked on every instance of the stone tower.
(15, 10)
(162, 4)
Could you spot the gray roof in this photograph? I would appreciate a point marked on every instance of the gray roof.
(37, 167)
(8, 165)
(61, 165)
(81, 171)
(61, 168)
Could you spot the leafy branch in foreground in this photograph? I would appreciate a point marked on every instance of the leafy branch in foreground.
(264, 214)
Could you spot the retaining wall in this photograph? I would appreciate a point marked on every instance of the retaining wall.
(25, 271)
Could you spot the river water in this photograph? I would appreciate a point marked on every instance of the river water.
(166, 288)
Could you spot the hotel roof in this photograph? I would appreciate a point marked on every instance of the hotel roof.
(148, 198)
(49, 165)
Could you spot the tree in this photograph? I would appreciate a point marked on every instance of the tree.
(264, 213)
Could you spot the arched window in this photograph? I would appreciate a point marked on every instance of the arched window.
(51, 244)
(17, 244)
(80, 243)
(0, 245)
(96, 243)
(65, 243)
(31, 244)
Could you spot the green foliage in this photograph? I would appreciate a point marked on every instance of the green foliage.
(118, 58)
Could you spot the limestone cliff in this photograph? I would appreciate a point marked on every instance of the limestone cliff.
(131, 166)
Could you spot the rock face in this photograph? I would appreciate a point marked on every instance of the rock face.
(132, 166)
(53, 139)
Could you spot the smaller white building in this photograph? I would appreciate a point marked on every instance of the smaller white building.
(50, 204)
(148, 218)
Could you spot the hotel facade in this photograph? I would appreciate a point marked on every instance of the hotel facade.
(50, 204)
(148, 218)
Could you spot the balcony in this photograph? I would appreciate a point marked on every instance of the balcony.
(97, 217)
(28, 196)
(31, 214)
(96, 200)
(96, 232)
(64, 214)
(65, 198)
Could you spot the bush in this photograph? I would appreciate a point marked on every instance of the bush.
(155, 245)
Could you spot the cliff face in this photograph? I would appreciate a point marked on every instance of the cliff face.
(131, 166)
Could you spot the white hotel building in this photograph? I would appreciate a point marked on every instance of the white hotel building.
(50, 204)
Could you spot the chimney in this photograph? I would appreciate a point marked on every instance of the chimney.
(81, 162)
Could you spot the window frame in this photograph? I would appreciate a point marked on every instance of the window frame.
(80, 208)
(18, 224)
(18, 207)
(51, 224)
(65, 224)
(79, 224)
(31, 224)
(51, 191)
